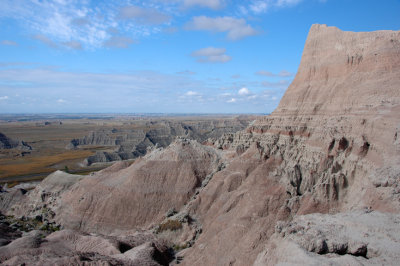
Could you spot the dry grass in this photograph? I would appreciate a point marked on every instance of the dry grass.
(171, 225)
(39, 164)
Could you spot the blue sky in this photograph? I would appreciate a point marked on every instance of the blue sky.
(170, 56)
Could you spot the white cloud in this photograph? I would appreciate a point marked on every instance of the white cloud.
(244, 91)
(265, 73)
(100, 92)
(274, 98)
(209, 51)
(9, 43)
(41, 87)
(3, 98)
(73, 45)
(118, 42)
(262, 6)
(212, 55)
(15, 64)
(213, 4)
(56, 23)
(280, 84)
(80, 22)
(143, 15)
(44, 39)
(285, 73)
(171, 30)
(191, 93)
(282, 73)
(285, 3)
(236, 28)
(60, 22)
(89, 24)
(186, 72)
(259, 7)
(185, 4)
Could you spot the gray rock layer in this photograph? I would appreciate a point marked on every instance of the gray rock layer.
(7, 143)
(130, 144)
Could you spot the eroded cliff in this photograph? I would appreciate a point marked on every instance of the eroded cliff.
(331, 146)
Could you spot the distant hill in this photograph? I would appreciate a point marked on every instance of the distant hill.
(7, 143)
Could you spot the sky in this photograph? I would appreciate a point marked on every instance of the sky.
(164, 56)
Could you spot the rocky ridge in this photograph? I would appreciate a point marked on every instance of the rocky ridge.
(7, 143)
(133, 143)
(335, 147)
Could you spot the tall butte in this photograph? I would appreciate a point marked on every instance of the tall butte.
(331, 147)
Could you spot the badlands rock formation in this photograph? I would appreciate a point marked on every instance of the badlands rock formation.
(7, 143)
(333, 139)
(141, 194)
(316, 182)
(133, 143)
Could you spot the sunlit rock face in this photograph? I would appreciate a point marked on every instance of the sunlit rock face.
(331, 146)
(141, 194)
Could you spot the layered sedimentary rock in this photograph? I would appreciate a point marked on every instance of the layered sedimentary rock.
(140, 194)
(73, 248)
(351, 238)
(317, 180)
(333, 140)
(133, 143)
(7, 143)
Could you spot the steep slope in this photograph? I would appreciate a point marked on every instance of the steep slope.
(140, 194)
(330, 146)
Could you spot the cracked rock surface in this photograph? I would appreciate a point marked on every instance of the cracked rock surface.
(351, 238)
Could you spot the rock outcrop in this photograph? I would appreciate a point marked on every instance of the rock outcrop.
(141, 194)
(68, 247)
(332, 141)
(351, 238)
(7, 143)
(132, 143)
(316, 182)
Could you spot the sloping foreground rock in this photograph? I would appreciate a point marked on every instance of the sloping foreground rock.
(140, 194)
(122, 197)
(351, 238)
(68, 247)
(42, 199)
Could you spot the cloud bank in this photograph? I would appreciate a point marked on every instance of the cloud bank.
(235, 28)
(211, 55)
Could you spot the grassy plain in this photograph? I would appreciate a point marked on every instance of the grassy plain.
(48, 143)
